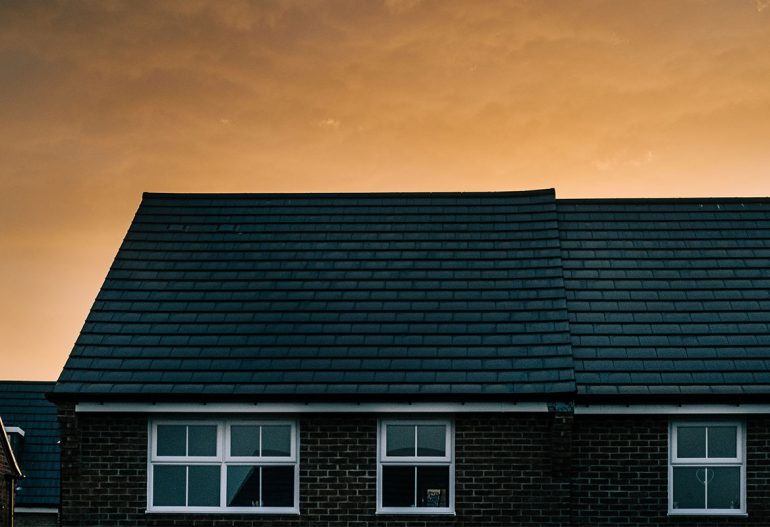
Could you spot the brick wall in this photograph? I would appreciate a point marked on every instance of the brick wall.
(34, 519)
(620, 473)
(505, 474)
(5, 481)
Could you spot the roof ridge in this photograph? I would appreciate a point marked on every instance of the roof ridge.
(245, 195)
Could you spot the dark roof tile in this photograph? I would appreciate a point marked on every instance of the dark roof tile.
(331, 294)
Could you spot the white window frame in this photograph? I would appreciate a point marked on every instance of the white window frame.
(447, 461)
(223, 459)
(675, 461)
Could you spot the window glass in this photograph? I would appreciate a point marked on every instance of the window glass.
(242, 486)
(202, 440)
(277, 486)
(276, 440)
(244, 440)
(707, 469)
(400, 440)
(168, 485)
(432, 486)
(722, 441)
(198, 476)
(689, 488)
(724, 488)
(691, 441)
(397, 486)
(203, 486)
(431, 440)
(171, 440)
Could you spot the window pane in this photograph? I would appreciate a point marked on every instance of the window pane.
(278, 486)
(202, 440)
(168, 485)
(724, 487)
(400, 440)
(398, 486)
(203, 488)
(171, 440)
(431, 440)
(244, 440)
(691, 441)
(689, 487)
(242, 486)
(723, 441)
(432, 486)
(276, 440)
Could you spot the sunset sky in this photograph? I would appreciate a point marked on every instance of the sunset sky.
(102, 100)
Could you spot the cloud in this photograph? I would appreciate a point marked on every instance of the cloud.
(329, 123)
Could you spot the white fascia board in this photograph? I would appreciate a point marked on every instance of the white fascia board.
(671, 409)
(15, 430)
(36, 510)
(295, 408)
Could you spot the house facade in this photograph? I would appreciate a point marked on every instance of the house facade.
(424, 359)
(9, 475)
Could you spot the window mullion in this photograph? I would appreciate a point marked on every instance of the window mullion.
(415, 480)
(261, 503)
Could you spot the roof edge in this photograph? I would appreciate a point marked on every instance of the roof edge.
(247, 195)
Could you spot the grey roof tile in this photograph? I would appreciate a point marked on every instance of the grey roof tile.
(680, 280)
(331, 294)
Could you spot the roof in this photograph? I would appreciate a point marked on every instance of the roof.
(668, 296)
(23, 405)
(500, 294)
(331, 294)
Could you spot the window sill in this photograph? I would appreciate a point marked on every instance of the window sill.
(294, 512)
(709, 513)
(416, 512)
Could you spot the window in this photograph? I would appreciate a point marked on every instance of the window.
(415, 467)
(225, 466)
(707, 468)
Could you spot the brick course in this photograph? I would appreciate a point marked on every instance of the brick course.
(34, 519)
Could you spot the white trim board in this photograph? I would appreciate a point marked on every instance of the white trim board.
(672, 409)
(295, 408)
(15, 430)
(36, 510)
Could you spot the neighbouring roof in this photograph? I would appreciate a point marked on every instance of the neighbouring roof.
(369, 294)
(23, 405)
(458, 294)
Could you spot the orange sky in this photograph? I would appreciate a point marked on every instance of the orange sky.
(102, 100)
